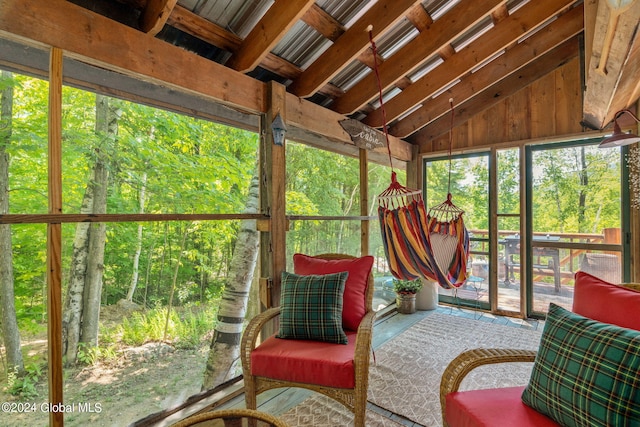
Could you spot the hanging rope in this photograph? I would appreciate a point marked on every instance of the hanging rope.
(380, 99)
(447, 212)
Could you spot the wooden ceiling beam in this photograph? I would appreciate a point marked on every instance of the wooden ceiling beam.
(419, 17)
(97, 40)
(613, 71)
(155, 15)
(498, 92)
(562, 29)
(440, 33)
(517, 25)
(382, 15)
(306, 119)
(187, 21)
(323, 23)
(273, 26)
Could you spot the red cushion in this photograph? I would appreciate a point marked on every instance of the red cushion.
(493, 407)
(605, 302)
(354, 305)
(302, 361)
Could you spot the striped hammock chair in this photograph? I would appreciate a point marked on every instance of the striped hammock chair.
(433, 245)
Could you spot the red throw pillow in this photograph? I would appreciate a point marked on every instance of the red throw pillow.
(353, 308)
(605, 302)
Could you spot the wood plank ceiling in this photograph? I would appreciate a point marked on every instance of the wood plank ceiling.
(428, 52)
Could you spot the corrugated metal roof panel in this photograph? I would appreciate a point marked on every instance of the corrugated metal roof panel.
(301, 45)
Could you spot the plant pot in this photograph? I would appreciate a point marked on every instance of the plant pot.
(406, 303)
(427, 297)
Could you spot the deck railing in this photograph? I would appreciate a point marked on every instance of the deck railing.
(571, 246)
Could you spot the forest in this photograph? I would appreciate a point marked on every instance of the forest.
(168, 279)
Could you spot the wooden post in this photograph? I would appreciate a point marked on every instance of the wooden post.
(54, 238)
(273, 242)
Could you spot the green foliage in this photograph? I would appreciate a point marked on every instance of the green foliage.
(25, 384)
(407, 286)
(90, 355)
(186, 328)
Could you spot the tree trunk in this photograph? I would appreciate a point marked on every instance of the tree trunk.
(225, 345)
(72, 313)
(82, 305)
(10, 331)
(106, 128)
(136, 255)
(174, 282)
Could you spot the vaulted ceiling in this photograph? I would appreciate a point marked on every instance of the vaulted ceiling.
(427, 53)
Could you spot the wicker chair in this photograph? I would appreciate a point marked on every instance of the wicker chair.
(468, 360)
(355, 399)
(231, 418)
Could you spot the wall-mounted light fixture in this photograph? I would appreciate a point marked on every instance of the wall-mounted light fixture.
(620, 138)
(279, 130)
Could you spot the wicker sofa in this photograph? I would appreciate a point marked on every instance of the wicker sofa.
(597, 304)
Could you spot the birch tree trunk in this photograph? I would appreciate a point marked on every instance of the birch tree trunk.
(136, 255)
(106, 127)
(225, 345)
(72, 313)
(10, 331)
(82, 305)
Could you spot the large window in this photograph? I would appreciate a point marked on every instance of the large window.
(569, 197)
(140, 293)
(326, 213)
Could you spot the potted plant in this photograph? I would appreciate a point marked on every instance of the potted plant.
(406, 294)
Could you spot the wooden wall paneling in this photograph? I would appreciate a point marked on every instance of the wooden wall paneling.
(549, 106)
(496, 124)
(518, 124)
(478, 128)
(542, 105)
(54, 239)
(568, 95)
(460, 135)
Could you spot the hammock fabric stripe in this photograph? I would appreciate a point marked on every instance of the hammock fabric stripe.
(406, 234)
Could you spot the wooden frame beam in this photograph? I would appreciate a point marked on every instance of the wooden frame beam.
(427, 44)
(98, 41)
(278, 20)
(155, 15)
(613, 64)
(382, 15)
(54, 240)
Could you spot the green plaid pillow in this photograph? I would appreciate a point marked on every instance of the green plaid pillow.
(311, 307)
(586, 373)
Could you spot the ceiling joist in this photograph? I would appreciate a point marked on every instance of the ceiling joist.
(428, 52)
(504, 33)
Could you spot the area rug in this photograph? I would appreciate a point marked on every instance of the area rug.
(320, 411)
(406, 376)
